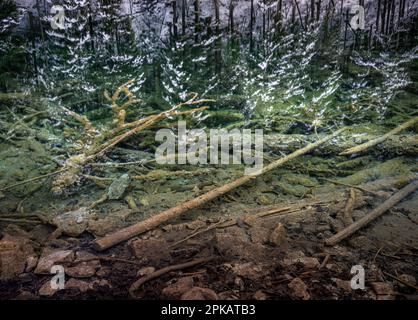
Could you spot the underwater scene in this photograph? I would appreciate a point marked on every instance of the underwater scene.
(209, 149)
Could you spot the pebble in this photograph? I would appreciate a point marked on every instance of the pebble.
(278, 235)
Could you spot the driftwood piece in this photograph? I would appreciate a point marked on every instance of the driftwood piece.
(377, 212)
(150, 223)
(137, 284)
(371, 143)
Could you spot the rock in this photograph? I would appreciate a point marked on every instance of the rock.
(145, 271)
(235, 243)
(14, 252)
(343, 285)
(260, 295)
(73, 223)
(175, 290)
(50, 258)
(298, 289)
(197, 293)
(258, 235)
(40, 233)
(249, 270)
(151, 251)
(104, 226)
(118, 187)
(31, 263)
(84, 269)
(278, 236)
(82, 256)
(80, 285)
(296, 257)
(383, 290)
(46, 290)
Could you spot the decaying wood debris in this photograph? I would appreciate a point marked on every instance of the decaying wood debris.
(156, 220)
(137, 284)
(385, 206)
(96, 143)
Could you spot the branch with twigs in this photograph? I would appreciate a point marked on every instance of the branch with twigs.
(95, 143)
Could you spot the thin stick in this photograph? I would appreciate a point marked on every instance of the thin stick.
(33, 179)
(150, 223)
(325, 261)
(377, 212)
(364, 146)
(137, 284)
(400, 280)
(213, 226)
(352, 186)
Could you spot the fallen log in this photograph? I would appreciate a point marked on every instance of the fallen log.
(365, 146)
(403, 144)
(156, 220)
(377, 212)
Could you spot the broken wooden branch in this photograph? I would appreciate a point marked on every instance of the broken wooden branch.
(137, 284)
(371, 143)
(96, 143)
(377, 212)
(150, 223)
